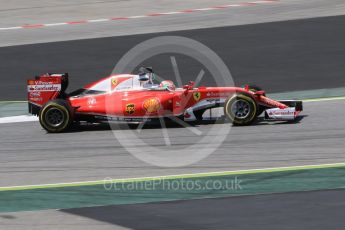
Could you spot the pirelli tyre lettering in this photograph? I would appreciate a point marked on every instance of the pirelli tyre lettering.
(56, 116)
(240, 109)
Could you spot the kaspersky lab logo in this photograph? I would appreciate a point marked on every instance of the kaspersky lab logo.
(183, 144)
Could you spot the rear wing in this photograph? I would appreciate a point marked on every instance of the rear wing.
(45, 88)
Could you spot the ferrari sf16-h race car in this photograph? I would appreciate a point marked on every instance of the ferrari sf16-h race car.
(138, 98)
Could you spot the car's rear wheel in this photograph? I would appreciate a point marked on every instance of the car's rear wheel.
(56, 116)
(240, 109)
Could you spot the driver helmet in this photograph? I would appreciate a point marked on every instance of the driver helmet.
(167, 84)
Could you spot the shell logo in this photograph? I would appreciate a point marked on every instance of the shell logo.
(152, 105)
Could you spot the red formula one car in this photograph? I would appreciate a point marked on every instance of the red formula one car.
(136, 98)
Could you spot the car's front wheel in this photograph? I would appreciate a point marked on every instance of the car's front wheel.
(56, 116)
(240, 109)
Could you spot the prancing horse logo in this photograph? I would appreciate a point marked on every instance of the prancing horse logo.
(197, 96)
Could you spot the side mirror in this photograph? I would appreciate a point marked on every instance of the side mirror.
(189, 86)
(260, 93)
(186, 87)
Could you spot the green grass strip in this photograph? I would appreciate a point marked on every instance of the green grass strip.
(169, 188)
(181, 176)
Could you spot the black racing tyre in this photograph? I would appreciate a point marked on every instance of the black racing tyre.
(260, 108)
(241, 109)
(56, 116)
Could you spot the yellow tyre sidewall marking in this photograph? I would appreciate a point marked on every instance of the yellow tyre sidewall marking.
(240, 96)
(64, 109)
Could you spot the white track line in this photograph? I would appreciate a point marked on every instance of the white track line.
(178, 176)
(42, 25)
(16, 119)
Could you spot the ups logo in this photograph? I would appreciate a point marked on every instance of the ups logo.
(130, 108)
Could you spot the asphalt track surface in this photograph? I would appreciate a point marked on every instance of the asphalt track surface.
(31, 156)
(278, 56)
(51, 11)
(299, 210)
(263, 212)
